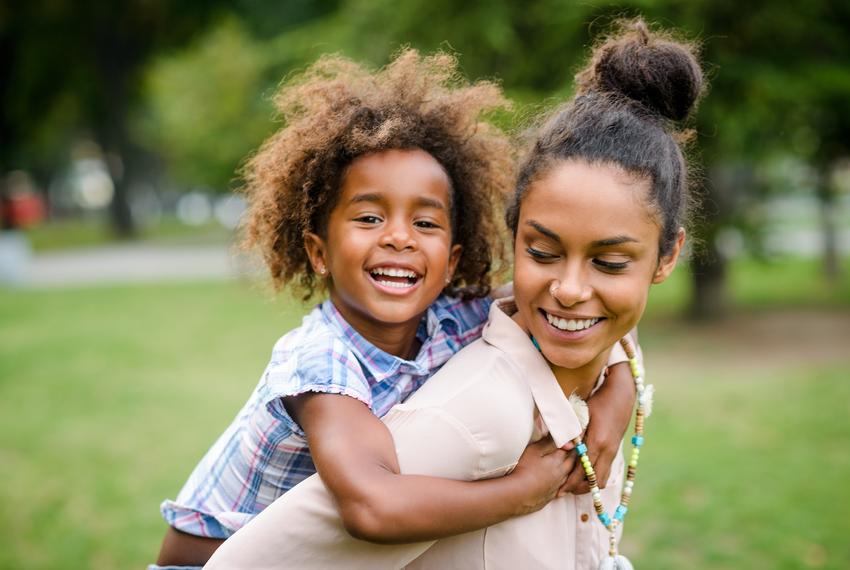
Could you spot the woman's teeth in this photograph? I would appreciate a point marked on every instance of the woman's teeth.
(571, 324)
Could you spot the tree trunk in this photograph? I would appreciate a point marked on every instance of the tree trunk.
(724, 184)
(708, 271)
(829, 230)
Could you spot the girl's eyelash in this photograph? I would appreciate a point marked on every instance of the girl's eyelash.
(427, 224)
(368, 219)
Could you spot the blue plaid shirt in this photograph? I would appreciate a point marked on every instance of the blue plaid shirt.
(264, 453)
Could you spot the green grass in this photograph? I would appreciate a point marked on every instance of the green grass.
(110, 395)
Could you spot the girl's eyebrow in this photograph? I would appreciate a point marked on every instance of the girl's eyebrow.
(366, 197)
(430, 203)
(376, 197)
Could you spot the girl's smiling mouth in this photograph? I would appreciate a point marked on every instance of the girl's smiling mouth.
(399, 279)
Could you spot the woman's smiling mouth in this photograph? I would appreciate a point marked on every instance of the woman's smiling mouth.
(570, 325)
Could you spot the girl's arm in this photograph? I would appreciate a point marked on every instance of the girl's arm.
(610, 411)
(355, 456)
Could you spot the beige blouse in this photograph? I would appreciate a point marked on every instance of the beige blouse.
(472, 420)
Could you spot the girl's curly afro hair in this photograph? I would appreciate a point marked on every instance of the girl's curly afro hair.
(336, 111)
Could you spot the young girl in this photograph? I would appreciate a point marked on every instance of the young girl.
(381, 190)
(597, 218)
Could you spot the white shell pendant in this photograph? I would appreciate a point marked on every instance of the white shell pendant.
(618, 562)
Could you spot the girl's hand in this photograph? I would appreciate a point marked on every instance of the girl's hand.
(541, 473)
(610, 412)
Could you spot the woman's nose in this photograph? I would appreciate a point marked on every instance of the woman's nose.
(573, 287)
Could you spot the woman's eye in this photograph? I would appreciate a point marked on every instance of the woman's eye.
(540, 255)
(611, 265)
(368, 219)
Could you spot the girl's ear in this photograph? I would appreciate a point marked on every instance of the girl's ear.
(668, 262)
(316, 253)
(454, 258)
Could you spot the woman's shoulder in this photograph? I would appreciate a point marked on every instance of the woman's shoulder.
(482, 398)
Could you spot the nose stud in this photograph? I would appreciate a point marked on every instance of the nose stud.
(553, 288)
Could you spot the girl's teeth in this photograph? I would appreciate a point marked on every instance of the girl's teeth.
(571, 324)
(394, 272)
(395, 284)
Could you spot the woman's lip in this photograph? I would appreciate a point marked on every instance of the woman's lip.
(569, 317)
(562, 334)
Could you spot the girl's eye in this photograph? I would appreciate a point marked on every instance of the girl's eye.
(426, 224)
(368, 219)
(540, 255)
(610, 265)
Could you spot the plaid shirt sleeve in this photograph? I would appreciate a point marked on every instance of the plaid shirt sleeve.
(263, 453)
(328, 368)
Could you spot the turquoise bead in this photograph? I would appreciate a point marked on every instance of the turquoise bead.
(606, 520)
(620, 513)
(581, 449)
(637, 440)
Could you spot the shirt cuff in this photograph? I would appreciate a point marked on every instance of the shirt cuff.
(199, 523)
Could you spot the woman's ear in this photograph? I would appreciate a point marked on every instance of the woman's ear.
(316, 253)
(668, 262)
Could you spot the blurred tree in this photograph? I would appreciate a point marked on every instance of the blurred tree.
(71, 65)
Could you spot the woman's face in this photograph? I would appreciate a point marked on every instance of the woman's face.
(586, 253)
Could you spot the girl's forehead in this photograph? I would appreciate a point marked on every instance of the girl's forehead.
(396, 173)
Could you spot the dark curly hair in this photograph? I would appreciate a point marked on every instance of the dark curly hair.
(336, 111)
(631, 96)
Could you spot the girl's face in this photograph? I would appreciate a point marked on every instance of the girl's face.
(586, 253)
(388, 252)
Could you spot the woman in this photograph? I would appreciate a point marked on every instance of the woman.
(597, 218)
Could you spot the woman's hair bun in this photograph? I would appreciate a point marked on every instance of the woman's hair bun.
(657, 71)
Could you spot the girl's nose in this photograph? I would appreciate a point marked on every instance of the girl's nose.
(572, 288)
(398, 236)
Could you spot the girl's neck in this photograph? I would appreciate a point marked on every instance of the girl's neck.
(398, 339)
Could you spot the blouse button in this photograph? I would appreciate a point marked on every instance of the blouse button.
(584, 517)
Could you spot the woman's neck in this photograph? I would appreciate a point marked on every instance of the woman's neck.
(580, 381)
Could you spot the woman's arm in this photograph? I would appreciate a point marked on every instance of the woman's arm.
(355, 456)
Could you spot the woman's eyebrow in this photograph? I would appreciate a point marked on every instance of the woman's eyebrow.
(616, 240)
(544, 230)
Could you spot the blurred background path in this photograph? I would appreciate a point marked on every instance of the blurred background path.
(130, 263)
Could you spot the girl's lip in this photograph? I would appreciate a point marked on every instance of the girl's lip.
(395, 291)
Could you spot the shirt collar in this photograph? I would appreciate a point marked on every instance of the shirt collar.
(381, 364)
(505, 334)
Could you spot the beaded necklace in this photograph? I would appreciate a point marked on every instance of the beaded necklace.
(614, 560)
